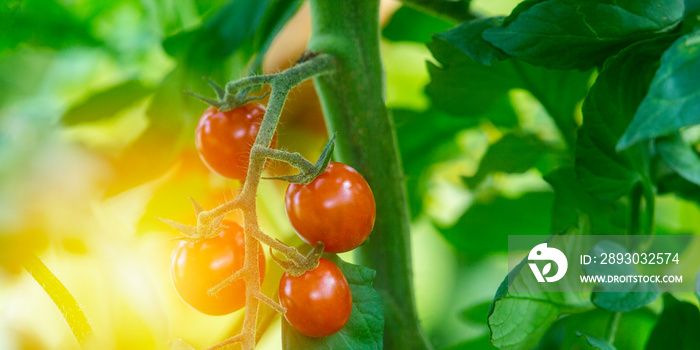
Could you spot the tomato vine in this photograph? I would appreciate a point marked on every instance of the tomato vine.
(208, 220)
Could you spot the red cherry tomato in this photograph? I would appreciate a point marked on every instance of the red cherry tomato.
(318, 302)
(196, 267)
(337, 208)
(224, 139)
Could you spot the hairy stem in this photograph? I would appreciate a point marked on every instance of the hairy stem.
(246, 201)
(65, 302)
(281, 83)
(295, 159)
(353, 105)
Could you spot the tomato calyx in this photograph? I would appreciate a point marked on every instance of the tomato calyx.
(191, 233)
(227, 99)
(308, 172)
(297, 267)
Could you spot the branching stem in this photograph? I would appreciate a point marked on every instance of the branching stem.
(295, 159)
(281, 84)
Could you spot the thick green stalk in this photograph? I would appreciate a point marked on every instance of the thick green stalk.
(353, 104)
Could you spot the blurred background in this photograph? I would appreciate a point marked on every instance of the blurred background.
(96, 140)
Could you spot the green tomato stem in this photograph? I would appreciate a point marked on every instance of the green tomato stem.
(65, 302)
(295, 159)
(635, 209)
(281, 83)
(649, 195)
(612, 327)
(353, 105)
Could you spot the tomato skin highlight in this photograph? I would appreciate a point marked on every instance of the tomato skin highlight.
(196, 267)
(337, 208)
(224, 139)
(319, 302)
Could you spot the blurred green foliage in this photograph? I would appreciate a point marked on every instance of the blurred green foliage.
(483, 64)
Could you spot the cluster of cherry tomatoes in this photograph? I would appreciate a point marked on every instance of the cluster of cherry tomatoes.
(337, 208)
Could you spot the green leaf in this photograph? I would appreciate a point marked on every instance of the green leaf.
(691, 17)
(31, 65)
(522, 312)
(632, 331)
(571, 201)
(241, 26)
(221, 34)
(106, 103)
(365, 328)
(423, 143)
(673, 100)
(595, 342)
(566, 34)
(608, 109)
(42, 23)
(477, 87)
(409, 24)
(476, 314)
(277, 14)
(674, 183)
(500, 157)
(677, 327)
(482, 229)
(156, 150)
(608, 296)
(467, 37)
(483, 343)
(692, 7)
(668, 181)
(419, 132)
(454, 10)
(459, 78)
(240, 23)
(680, 157)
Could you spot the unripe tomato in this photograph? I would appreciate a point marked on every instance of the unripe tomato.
(318, 302)
(337, 208)
(196, 267)
(224, 139)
